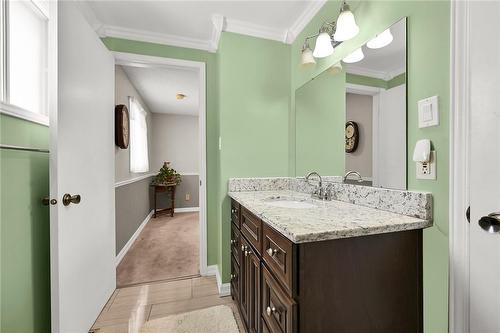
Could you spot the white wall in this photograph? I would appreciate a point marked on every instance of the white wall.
(175, 139)
(123, 89)
(390, 153)
(359, 110)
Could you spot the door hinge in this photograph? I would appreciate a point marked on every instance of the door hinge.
(467, 214)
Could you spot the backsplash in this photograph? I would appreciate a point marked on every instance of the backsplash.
(409, 203)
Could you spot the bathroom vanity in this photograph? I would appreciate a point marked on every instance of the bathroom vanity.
(305, 265)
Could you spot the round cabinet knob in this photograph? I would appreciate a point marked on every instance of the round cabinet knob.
(233, 276)
(247, 253)
(490, 223)
(271, 251)
(270, 310)
(243, 248)
(233, 241)
(233, 211)
(71, 199)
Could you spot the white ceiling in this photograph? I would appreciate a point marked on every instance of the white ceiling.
(387, 62)
(158, 88)
(198, 24)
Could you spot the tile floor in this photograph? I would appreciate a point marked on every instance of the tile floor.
(128, 308)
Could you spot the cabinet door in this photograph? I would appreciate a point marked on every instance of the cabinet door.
(244, 268)
(235, 280)
(253, 292)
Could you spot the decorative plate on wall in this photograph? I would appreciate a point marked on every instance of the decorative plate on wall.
(121, 126)
(351, 136)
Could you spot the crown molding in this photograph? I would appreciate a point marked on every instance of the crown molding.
(154, 37)
(366, 72)
(255, 30)
(217, 26)
(303, 20)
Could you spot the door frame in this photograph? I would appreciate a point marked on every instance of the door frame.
(131, 59)
(459, 309)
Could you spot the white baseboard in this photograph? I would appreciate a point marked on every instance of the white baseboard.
(186, 210)
(127, 246)
(224, 288)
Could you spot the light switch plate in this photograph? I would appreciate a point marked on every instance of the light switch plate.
(427, 170)
(428, 112)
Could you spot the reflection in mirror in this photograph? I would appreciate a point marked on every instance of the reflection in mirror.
(355, 121)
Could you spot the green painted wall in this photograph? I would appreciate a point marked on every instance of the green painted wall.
(254, 88)
(428, 74)
(212, 135)
(24, 229)
(375, 82)
(320, 105)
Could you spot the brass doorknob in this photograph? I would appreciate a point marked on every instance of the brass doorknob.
(71, 199)
(47, 201)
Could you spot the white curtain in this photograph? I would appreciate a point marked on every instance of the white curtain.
(139, 159)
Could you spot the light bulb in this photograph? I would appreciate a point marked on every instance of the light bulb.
(335, 69)
(323, 47)
(356, 56)
(346, 25)
(381, 40)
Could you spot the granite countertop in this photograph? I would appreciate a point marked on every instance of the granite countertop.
(326, 220)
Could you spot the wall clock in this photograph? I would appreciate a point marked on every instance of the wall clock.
(351, 136)
(121, 126)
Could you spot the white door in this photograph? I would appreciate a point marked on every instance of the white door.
(484, 166)
(82, 163)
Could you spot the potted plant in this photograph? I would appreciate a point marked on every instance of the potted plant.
(167, 176)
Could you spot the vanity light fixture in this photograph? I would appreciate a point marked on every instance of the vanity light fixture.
(180, 96)
(381, 40)
(335, 69)
(307, 55)
(330, 35)
(356, 56)
(346, 24)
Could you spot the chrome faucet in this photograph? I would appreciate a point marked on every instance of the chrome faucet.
(360, 179)
(320, 192)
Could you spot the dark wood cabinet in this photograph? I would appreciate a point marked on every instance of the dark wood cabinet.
(365, 284)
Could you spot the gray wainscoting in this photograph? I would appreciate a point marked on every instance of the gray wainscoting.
(133, 204)
(190, 185)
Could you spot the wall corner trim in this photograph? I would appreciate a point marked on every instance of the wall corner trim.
(136, 234)
(224, 288)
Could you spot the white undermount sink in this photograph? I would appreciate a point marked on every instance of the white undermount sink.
(284, 202)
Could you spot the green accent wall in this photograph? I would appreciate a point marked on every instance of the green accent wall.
(428, 74)
(24, 229)
(320, 105)
(254, 94)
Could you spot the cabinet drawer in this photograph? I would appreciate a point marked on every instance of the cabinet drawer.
(235, 280)
(278, 310)
(278, 254)
(235, 213)
(235, 243)
(251, 228)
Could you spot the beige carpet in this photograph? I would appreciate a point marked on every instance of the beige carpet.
(216, 319)
(167, 248)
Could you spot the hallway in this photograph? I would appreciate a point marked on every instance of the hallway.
(167, 248)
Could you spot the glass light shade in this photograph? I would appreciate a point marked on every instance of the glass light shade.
(335, 69)
(381, 40)
(323, 47)
(346, 27)
(356, 56)
(307, 57)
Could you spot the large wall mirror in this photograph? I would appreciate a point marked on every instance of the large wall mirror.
(354, 119)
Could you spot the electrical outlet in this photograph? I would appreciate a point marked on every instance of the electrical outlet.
(188, 197)
(427, 170)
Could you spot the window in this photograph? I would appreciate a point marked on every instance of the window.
(139, 159)
(24, 57)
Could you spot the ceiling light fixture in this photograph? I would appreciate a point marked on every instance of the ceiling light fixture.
(307, 55)
(330, 35)
(381, 40)
(356, 56)
(180, 96)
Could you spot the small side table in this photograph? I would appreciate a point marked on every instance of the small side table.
(164, 188)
